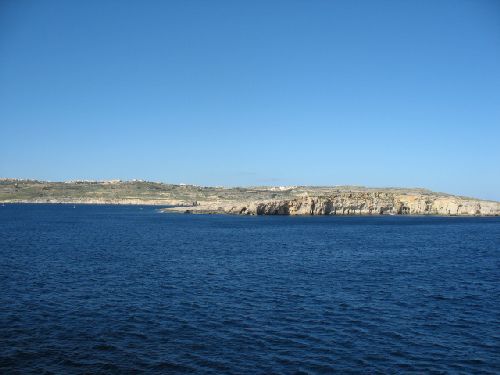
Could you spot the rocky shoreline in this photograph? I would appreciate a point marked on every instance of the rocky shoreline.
(263, 200)
(378, 203)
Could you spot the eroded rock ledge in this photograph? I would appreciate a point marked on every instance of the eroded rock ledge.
(354, 203)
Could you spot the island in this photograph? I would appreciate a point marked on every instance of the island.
(258, 200)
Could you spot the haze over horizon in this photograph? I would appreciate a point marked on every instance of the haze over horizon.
(227, 93)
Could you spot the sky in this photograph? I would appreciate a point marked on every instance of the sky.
(235, 93)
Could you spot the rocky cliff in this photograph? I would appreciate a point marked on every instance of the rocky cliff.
(372, 204)
(356, 203)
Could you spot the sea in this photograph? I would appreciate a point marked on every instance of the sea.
(129, 289)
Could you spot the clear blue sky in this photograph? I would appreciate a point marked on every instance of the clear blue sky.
(377, 93)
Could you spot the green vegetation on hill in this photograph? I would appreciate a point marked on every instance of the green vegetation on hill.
(12, 190)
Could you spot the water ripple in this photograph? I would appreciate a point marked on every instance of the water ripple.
(101, 289)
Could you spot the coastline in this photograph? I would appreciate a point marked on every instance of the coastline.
(260, 200)
(183, 209)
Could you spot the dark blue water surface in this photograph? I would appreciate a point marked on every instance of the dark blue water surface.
(128, 289)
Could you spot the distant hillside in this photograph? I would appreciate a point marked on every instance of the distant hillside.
(292, 200)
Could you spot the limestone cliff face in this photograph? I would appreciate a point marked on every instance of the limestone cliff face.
(369, 203)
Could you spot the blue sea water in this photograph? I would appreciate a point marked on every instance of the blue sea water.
(122, 289)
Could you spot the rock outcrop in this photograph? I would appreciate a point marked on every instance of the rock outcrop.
(357, 203)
